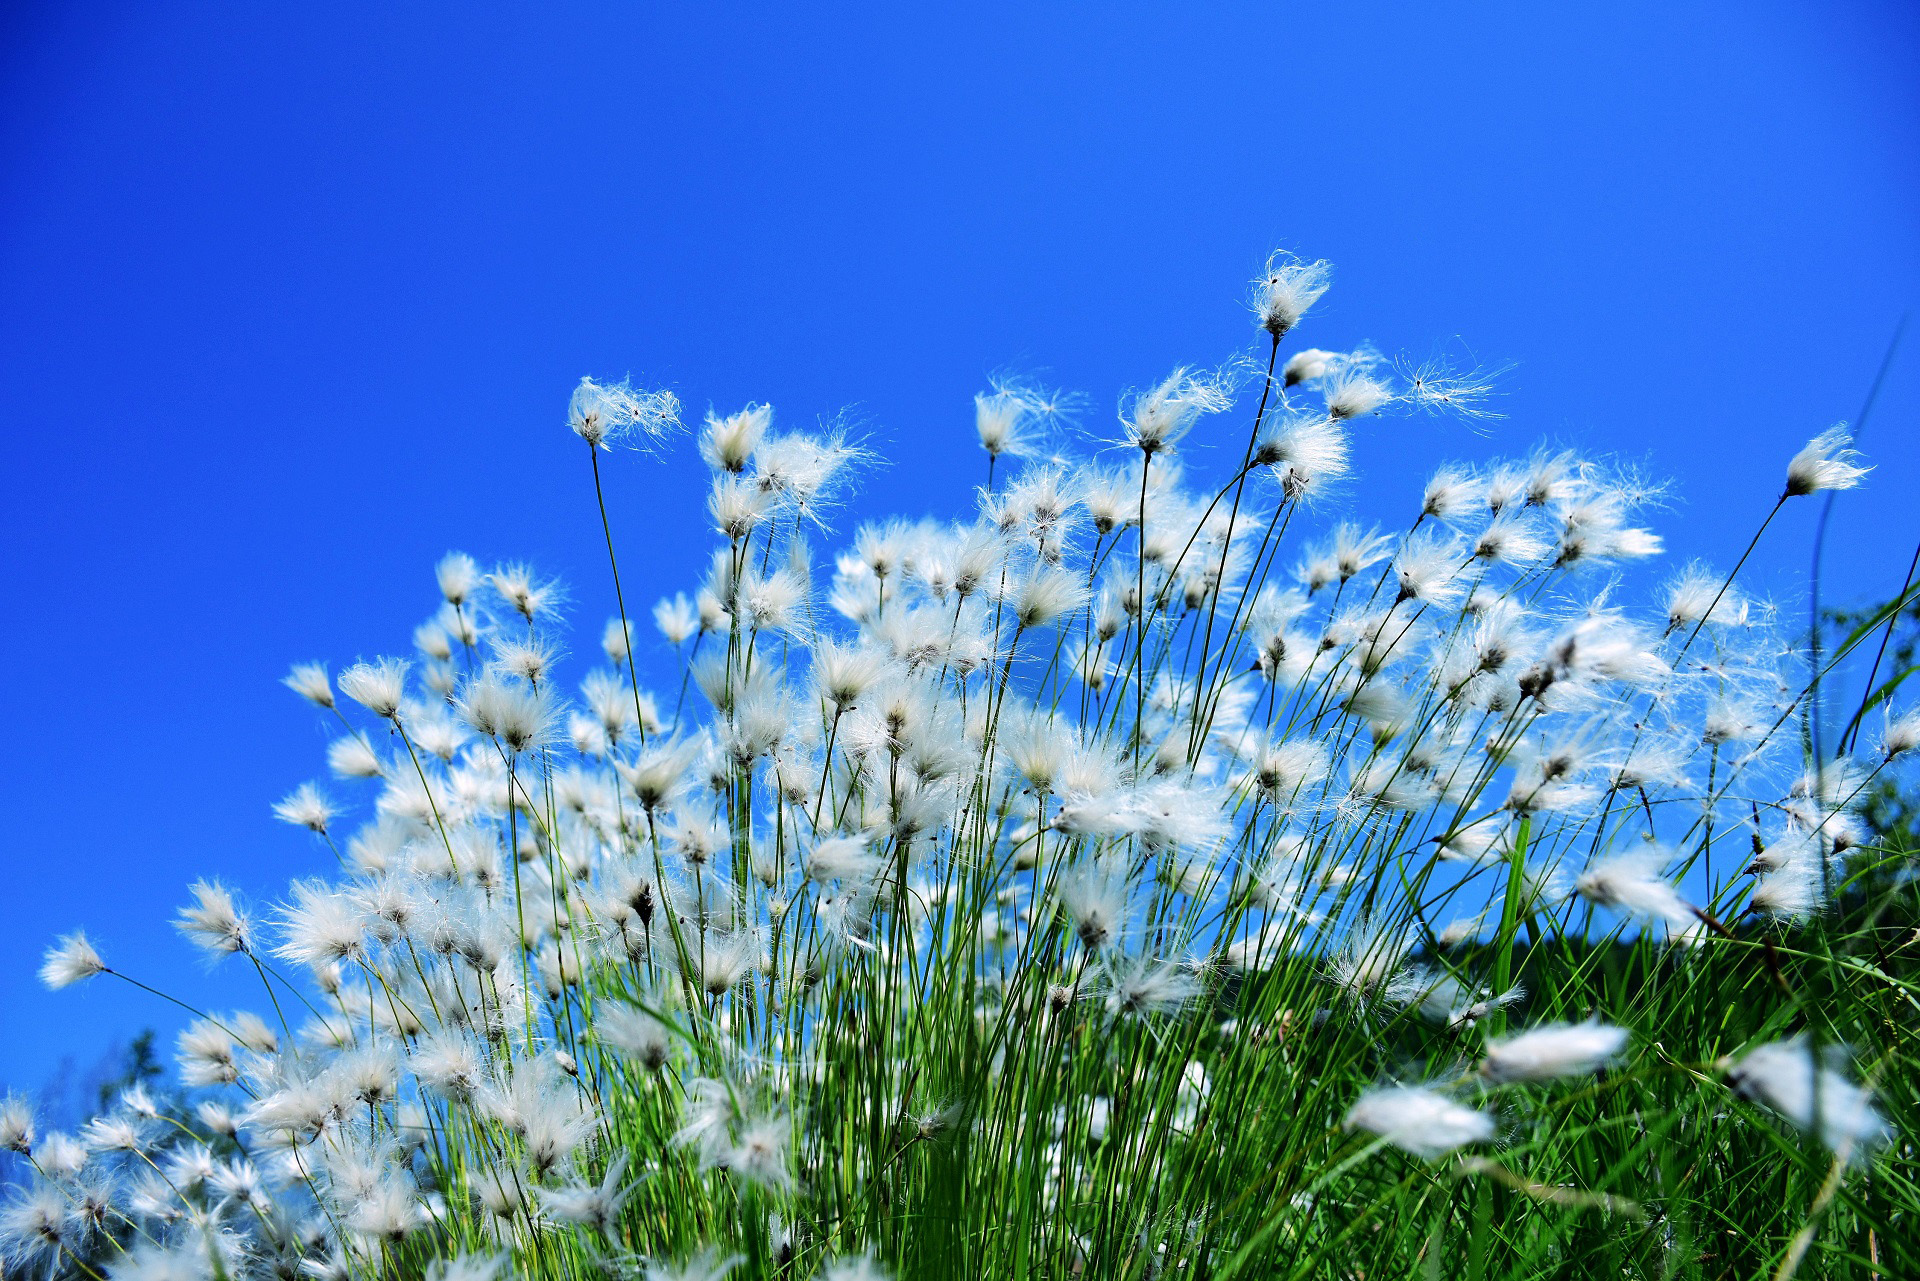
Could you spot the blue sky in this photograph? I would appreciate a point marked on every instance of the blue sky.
(290, 304)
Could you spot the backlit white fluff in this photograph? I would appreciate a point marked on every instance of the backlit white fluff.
(1157, 418)
(1812, 1093)
(305, 807)
(309, 681)
(1633, 883)
(605, 413)
(379, 686)
(1825, 463)
(1352, 391)
(1284, 291)
(520, 716)
(729, 442)
(458, 577)
(1423, 1122)
(1554, 1050)
(71, 960)
(213, 921)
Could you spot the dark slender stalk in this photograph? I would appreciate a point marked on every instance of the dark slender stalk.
(519, 904)
(194, 1010)
(626, 628)
(1140, 606)
(1226, 546)
(1708, 612)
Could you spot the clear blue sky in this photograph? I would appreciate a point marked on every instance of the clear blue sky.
(291, 298)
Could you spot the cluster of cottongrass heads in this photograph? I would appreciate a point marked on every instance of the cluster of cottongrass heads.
(1133, 880)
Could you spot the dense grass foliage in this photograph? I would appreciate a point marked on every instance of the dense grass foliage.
(1139, 880)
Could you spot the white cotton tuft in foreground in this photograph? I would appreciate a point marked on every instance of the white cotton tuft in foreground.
(1554, 1050)
(1421, 1121)
(1783, 1076)
(1632, 883)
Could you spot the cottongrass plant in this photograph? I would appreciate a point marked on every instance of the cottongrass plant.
(1136, 879)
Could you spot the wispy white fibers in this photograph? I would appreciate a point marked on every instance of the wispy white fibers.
(1633, 883)
(1554, 1050)
(71, 960)
(1284, 291)
(1421, 1121)
(214, 922)
(1809, 1090)
(605, 414)
(309, 680)
(1825, 463)
(1157, 418)
(305, 807)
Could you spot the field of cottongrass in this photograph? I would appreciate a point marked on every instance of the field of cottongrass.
(1139, 880)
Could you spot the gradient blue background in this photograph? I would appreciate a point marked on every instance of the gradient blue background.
(290, 304)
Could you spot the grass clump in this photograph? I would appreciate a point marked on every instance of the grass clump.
(1136, 880)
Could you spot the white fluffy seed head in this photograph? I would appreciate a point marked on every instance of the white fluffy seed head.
(468, 1267)
(616, 641)
(1307, 366)
(71, 960)
(676, 618)
(1423, 1122)
(604, 413)
(737, 505)
(458, 576)
(1284, 767)
(1285, 289)
(997, 419)
(1353, 391)
(528, 659)
(306, 807)
(728, 443)
(1810, 1091)
(1451, 493)
(1698, 594)
(528, 595)
(1633, 883)
(1375, 951)
(634, 1032)
(1095, 900)
(1140, 986)
(519, 715)
(1555, 1050)
(1428, 569)
(1304, 453)
(1793, 892)
(431, 639)
(309, 681)
(1901, 735)
(503, 1191)
(858, 1267)
(1161, 415)
(844, 673)
(213, 921)
(843, 858)
(1825, 463)
(354, 757)
(379, 686)
(16, 1125)
(1046, 594)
